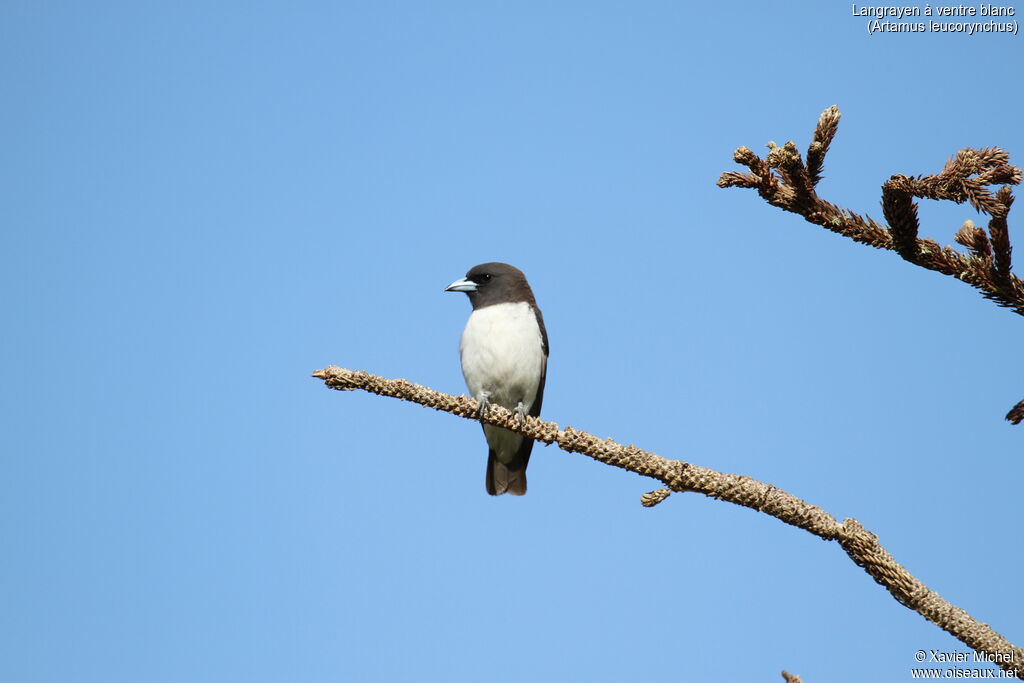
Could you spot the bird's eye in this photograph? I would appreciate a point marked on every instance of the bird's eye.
(484, 277)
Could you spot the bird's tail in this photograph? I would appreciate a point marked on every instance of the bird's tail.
(502, 478)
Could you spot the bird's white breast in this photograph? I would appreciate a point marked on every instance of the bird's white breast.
(502, 354)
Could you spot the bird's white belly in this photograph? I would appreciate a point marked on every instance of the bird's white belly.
(502, 354)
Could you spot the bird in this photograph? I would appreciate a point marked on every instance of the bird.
(504, 353)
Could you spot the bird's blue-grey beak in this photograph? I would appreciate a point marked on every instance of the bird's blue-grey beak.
(462, 285)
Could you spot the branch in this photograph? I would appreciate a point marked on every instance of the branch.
(861, 545)
(782, 179)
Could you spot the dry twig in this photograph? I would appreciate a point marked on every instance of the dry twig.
(783, 180)
(861, 545)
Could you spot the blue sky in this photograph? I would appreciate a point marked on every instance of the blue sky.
(203, 203)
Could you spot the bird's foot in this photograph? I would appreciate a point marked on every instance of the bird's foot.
(482, 403)
(520, 413)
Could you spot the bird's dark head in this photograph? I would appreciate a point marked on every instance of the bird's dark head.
(493, 283)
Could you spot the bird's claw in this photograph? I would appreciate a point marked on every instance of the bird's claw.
(482, 403)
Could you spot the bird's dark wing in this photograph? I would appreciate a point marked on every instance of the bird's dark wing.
(527, 447)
